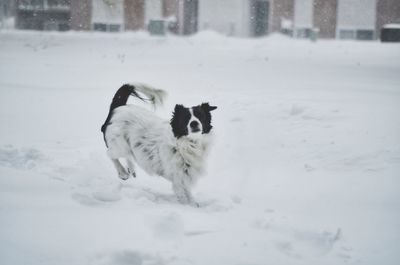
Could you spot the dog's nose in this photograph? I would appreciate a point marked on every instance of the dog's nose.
(194, 124)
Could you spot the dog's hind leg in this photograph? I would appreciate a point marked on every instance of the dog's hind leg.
(114, 153)
(122, 174)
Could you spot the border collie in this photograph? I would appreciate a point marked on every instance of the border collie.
(175, 150)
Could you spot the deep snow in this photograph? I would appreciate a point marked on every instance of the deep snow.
(305, 167)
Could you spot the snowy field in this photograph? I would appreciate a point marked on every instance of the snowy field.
(305, 168)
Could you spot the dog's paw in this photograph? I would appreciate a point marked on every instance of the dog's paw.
(132, 172)
(192, 204)
(195, 204)
(189, 202)
(123, 176)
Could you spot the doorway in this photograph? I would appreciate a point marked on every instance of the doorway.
(190, 16)
(259, 17)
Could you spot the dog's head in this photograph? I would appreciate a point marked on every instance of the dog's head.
(193, 121)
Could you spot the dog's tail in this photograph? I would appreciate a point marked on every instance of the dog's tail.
(154, 96)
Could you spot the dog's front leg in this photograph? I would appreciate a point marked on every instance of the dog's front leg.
(131, 167)
(183, 193)
(122, 174)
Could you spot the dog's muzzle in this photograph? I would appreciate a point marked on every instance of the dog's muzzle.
(194, 126)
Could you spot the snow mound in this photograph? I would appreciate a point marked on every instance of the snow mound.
(304, 168)
(208, 35)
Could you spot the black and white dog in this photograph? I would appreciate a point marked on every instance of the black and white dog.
(175, 150)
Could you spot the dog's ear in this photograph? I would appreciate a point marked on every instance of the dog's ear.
(178, 108)
(178, 111)
(207, 107)
(207, 111)
(179, 120)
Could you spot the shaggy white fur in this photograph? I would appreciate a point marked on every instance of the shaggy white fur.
(141, 137)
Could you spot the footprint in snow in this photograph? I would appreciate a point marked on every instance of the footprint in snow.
(297, 110)
(127, 257)
(19, 158)
(97, 196)
(168, 226)
(297, 243)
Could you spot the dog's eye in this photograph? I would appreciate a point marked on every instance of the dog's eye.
(198, 113)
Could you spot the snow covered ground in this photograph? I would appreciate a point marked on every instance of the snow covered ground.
(305, 167)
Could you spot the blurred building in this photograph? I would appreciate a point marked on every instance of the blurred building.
(6, 9)
(356, 19)
(344, 19)
(43, 14)
(246, 18)
(387, 11)
(329, 19)
(98, 15)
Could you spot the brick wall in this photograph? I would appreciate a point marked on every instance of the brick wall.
(134, 14)
(387, 11)
(281, 9)
(325, 17)
(81, 13)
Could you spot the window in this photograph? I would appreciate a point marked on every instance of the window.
(56, 25)
(31, 4)
(356, 34)
(107, 27)
(365, 35)
(346, 34)
(303, 33)
(114, 28)
(58, 4)
(100, 27)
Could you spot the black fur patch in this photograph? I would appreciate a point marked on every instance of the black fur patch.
(202, 112)
(120, 99)
(180, 120)
(182, 116)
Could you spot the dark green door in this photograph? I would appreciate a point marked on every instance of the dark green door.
(190, 16)
(259, 17)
